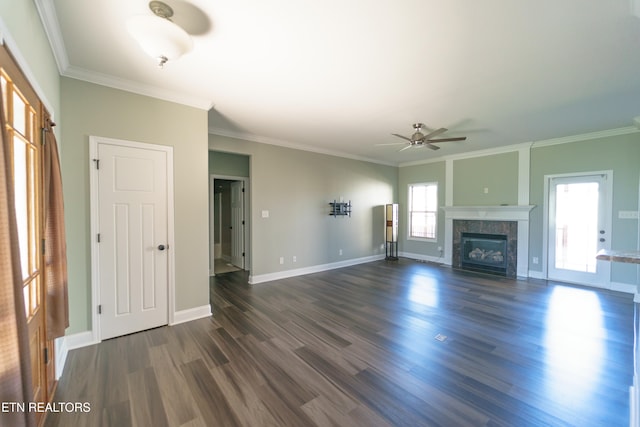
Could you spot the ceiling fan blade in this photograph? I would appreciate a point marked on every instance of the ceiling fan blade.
(402, 149)
(389, 143)
(434, 133)
(403, 137)
(433, 147)
(462, 138)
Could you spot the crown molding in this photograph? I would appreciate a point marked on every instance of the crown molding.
(49, 18)
(295, 146)
(586, 136)
(136, 87)
(471, 154)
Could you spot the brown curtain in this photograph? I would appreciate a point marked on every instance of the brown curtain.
(15, 364)
(55, 254)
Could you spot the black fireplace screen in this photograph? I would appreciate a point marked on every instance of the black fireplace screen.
(485, 252)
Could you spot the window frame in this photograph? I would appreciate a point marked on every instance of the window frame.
(410, 211)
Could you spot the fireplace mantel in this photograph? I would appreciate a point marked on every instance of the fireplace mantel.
(500, 213)
(517, 213)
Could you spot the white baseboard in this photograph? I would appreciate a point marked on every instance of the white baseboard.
(536, 274)
(634, 406)
(261, 278)
(70, 342)
(61, 351)
(422, 257)
(81, 339)
(191, 314)
(627, 288)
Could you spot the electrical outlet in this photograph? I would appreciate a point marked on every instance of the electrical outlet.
(340, 252)
(281, 260)
(295, 258)
(535, 260)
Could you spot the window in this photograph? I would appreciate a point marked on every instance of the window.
(423, 210)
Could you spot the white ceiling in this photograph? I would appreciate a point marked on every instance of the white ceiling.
(340, 76)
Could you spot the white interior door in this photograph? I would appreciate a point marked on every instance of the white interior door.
(133, 192)
(579, 226)
(237, 223)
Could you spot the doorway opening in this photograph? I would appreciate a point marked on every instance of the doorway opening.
(229, 224)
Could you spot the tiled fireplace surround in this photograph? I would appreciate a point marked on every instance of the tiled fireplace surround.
(507, 228)
(512, 220)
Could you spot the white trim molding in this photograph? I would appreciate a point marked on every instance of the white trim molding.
(421, 257)
(79, 340)
(268, 277)
(519, 213)
(190, 314)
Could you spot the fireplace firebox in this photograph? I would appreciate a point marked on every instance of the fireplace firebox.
(484, 252)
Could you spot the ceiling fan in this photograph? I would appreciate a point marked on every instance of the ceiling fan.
(419, 139)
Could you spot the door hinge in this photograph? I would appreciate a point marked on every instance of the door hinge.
(44, 247)
(98, 237)
(46, 355)
(242, 253)
(243, 189)
(243, 222)
(97, 162)
(100, 309)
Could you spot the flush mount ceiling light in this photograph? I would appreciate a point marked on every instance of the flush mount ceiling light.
(158, 36)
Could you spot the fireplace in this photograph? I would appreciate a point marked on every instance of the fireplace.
(510, 220)
(489, 237)
(484, 252)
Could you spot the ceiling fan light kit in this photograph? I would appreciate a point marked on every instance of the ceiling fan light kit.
(158, 36)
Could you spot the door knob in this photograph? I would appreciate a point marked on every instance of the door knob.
(161, 247)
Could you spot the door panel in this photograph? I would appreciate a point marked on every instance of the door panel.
(133, 224)
(578, 229)
(24, 116)
(237, 224)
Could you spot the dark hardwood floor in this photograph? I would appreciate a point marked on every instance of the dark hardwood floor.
(357, 347)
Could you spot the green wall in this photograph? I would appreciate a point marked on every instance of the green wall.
(621, 154)
(89, 109)
(497, 173)
(229, 164)
(296, 187)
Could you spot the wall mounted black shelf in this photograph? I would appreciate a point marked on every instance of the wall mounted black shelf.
(340, 208)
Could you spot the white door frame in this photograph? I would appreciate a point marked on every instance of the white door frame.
(94, 141)
(606, 266)
(247, 218)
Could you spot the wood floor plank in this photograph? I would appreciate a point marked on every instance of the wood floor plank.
(145, 397)
(175, 395)
(211, 402)
(356, 347)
